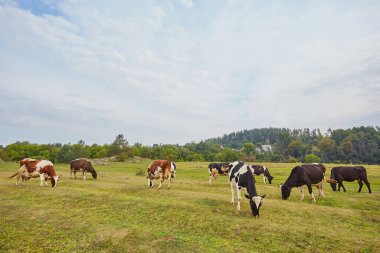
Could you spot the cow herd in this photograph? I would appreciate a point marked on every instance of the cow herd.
(44, 169)
(240, 175)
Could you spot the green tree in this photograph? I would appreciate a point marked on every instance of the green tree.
(118, 146)
(248, 148)
(327, 149)
(296, 149)
(311, 158)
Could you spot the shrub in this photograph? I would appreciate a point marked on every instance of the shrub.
(311, 158)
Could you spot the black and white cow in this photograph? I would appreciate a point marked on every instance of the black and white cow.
(241, 175)
(306, 174)
(216, 169)
(350, 174)
(259, 169)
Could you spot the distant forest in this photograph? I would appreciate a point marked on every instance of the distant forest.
(359, 145)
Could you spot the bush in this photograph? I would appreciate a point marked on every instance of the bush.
(292, 160)
(311, 158)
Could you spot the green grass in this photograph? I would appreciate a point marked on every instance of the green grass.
(118, 213)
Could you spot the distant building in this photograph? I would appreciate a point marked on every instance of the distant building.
(264, 148)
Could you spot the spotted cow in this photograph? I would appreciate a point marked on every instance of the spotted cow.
(216, 169)
(241, 176)
(27, 167)
(161, 169)
(42, 168)
(262, 170)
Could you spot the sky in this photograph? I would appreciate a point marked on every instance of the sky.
(181, 71)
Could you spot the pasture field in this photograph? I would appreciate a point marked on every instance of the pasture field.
(118, 213)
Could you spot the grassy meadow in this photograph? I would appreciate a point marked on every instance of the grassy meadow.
(118, 213)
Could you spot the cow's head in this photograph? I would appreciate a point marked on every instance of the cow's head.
(54, 180)
(285, 191)
(94, 174)
(255, 202)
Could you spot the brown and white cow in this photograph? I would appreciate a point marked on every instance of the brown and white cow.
(83, 165)
(27, 166)
(34, 168)
(161, 169)
(45, 167)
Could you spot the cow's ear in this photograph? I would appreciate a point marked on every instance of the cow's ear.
(263, 196)
(279, 186)
(247, 196)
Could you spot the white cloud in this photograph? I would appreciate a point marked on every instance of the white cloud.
(158, 74)
(187, 3)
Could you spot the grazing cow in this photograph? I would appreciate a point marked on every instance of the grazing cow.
(27, 166)
(82, 165)
(306, 174)
(46, 168)
(161, 169)
(258, 170)
(215, 169)
(350, 174)
(241, 175)
(42, 168)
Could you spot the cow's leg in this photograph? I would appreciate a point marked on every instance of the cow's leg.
(341, 184)
(320, 188)
(84, 175)
(232, 194)
(21, 171)
(360, 185)
(311, 193)
(42, 178)
(264, 179)
(75, 174)
(210, 179)
(149, 183)
(368, 185)
(170, 179)
(161, 180)
(302, 193)
(238, 195)
(18, 178)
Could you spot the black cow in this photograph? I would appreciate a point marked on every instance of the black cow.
(83, 165)
(216, 169)
(241, 175)
(350, 174)
(306, 174)
(259, 169)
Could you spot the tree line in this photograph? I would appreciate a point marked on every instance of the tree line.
(357, 145)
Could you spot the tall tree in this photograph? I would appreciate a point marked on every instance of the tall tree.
(118, 145)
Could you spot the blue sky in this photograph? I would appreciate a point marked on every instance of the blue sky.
(181, 71)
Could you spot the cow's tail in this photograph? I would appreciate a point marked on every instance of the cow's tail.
(13, 175)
